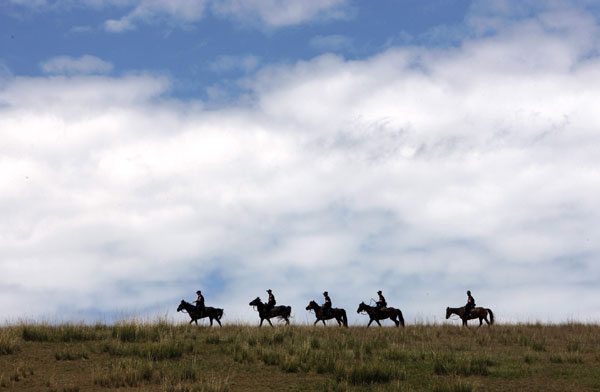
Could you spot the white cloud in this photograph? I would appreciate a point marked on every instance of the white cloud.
(182, 11)
(277, 13)
(85, 64)
(421, 172)
(270, 13)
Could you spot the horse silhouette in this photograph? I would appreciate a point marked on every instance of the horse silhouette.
(476, 313)
(337, 313)
(281, 311)
(195, 314)
(375, 315)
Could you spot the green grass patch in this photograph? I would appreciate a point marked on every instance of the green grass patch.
(151, 351)
(62, 333)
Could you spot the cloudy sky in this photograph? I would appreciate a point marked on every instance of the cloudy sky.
(151, 148)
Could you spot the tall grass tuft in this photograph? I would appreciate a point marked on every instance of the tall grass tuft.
(9, 342)
(125, 374)
(61, 333)
(369, 373)
(70, 355)
(207, 384)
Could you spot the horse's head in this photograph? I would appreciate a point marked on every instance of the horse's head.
(361, 307)
(255, 302)
(312, 305)
(181, 306)
(448, 313)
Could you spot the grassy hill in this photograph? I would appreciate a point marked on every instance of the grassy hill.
(162, 356)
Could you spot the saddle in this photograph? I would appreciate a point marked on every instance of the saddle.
(199, 310)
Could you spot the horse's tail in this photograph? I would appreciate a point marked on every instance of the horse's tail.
(288, 311)
(219, 313)
(491, 315)
(400, 317)
(344, 318)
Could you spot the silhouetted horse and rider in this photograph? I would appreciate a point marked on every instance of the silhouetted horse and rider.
(267, 311)
(471, 312)
(326, 312)
(381, 314)
(197, 314)
(381, 311)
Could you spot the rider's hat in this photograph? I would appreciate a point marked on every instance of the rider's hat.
(198, 292)
(379, 292)
(269, 291)
(325, 293)
(469, 292)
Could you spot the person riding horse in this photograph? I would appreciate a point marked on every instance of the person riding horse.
(271, 302)
(200, 302)
(470, 304)
(381, 304)
(327, 305)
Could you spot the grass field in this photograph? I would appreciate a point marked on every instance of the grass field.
(162, 356)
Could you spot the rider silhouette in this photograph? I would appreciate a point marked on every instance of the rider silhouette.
(470, 304)
(200, 302)
(327, 305)
(379, 305)
(271, 302)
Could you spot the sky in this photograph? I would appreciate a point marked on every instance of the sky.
(152, 148)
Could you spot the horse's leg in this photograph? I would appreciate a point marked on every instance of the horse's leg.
(316, 322)
(378, 323)
(287, 321)
(210, 318)
(370, 321)
(261, 321)
(323, 320)
(270, 323)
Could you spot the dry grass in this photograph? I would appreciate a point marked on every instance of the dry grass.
(9, 340)
(170, 357)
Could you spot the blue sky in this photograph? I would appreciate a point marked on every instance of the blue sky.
(149, 149)
(209, 49)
